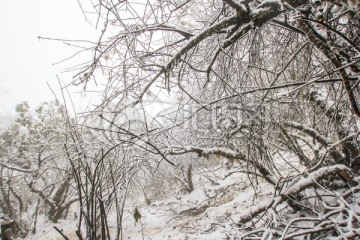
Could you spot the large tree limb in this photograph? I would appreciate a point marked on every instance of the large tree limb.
(15, 168)
(227, 153)
(299, 186)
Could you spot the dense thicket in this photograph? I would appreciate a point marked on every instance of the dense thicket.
(245, 80)
(269, 86)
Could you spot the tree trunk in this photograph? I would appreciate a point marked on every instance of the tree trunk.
(9, 230)
(189, 179)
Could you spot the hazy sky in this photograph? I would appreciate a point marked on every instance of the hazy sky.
(27, 62)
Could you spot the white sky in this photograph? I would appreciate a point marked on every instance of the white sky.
(26, 62)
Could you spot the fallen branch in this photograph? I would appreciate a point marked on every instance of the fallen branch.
(61, 233)
(297, 187)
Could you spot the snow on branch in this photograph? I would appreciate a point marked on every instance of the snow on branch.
(245, 21)
(220, 151)
(164, 27)
(310, 131)
(296, 188)
(317, 136)
(15, 168)
(227, 153)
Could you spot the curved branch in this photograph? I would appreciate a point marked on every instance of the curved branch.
(316, 135)
(227, 153)
(15, 168)
(299, 186)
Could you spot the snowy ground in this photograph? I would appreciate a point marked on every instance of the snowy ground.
(206, 213)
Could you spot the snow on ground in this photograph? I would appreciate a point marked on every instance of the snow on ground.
(46, 231)
(204, 214)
